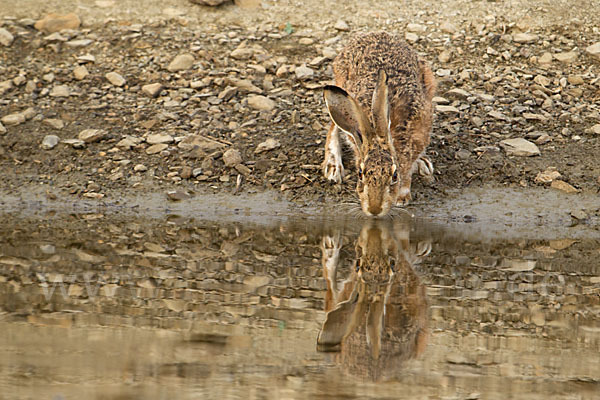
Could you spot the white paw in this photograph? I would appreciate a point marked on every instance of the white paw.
(333, 168)
(425, 166)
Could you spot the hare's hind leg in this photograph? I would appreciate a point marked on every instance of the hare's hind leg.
(333, 169)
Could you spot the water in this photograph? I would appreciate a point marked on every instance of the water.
(102, 304)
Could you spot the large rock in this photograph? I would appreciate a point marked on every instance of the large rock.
(594, 50)
(6, 38)
(181, 62)
(520, 147)
(54, 22)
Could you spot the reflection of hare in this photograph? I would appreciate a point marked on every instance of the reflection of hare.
(378, 318)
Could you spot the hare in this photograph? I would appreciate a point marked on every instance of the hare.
(382, 104)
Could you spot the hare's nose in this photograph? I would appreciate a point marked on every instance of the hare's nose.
(375, 209)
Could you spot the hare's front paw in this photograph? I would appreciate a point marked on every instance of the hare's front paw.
(333, 168)
(425, 166)
(331, 245)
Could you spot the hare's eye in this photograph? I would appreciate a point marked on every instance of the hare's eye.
(393, 264)
(360, 172)
(395, 178)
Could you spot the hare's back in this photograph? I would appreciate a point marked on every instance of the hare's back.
(357, 66)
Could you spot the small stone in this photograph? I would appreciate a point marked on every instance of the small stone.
(2, 129)
(159, 138)
(49, 77)
(211, 3)
(6, 38)
(525, 37)
(445, 56)
(29, 113)
(80, 72)
(156, 148)
(542, 80)
(50, 142)
(563, 186)
(242, 53)
(520, 147)
(416, 28)
(92, 135)
(186, 172)
(462, 154)
(306, 41)
(245, 85)
(181, 62)
(75, 143)
(411, 37)
(595, 129)
(448, 27)
(341, 25)
(13, 119)
(498, 115)
(303, 72)
(457, 94)
(54, 22)
(54, 123)
(446, 109)
(567, 57)
(196, 172)
(227, 93)
(545, 59)
(259, 102)
(60, 91)
(267, 145)
(248, 3)
(232, 157)
(178, 195)
(575, 80)
(6, 86)
(580, 215)
(152, 89)
(140, 168)
(594, 50)
(115, 79)
(547, 176)
(79, 42)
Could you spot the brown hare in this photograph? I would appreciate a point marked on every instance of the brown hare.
(382, 104)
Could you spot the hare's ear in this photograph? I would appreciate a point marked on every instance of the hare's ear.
(375, 327)
(380, 105)
(341, 321)
(345, 113)
(428, 80)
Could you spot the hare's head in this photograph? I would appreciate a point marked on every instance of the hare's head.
(369, 136)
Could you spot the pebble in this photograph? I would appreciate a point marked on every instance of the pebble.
(448, 27)
(595, 129)
(412, 27)
(242, 53)
(575, 79)
(545, 59)
(178, 195)
(159, 138)
(232, 157)
(79, 42)
(156, 148)
(196, 172)
(186, 172)
(580, 215)
(525, 37)
(498, 115)
(152, 89)
(594, 50)
(75, 143)
(92, 135)
(563, 186)
(181, 62)
(13, 119)
(115, 79)
(567, 57)
(49, 77)
(55, 22)
(445, 56)
(245, 85)
(54, 123)
(140, 168)
(458, 94)
(6, 38)
(2, 129)
(50, 142)
(446, 109)
(262, 103)
(60, 91)
(303, 72)
(520, 147)
(341, 25)
(547, 176)
(411, 37)
(267, 145)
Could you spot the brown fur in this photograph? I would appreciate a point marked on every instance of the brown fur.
(409, 86)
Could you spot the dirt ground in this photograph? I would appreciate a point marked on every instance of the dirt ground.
(497, 84)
